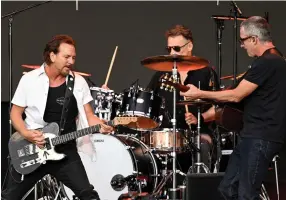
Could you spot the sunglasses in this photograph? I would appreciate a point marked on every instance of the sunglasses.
(242, 40)
(176, 48)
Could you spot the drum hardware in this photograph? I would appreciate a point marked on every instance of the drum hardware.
(102, 102)
(122, 162)
(198, 164)
(174, 63)
(142, 103)
(218, 142)
(119, 182)
(49, 188)
(166, 63)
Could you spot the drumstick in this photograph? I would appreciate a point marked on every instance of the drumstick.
(186, 106)
(110, 67)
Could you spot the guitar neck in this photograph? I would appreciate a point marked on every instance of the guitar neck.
(77, 134)
(178, 86)
(181, 87)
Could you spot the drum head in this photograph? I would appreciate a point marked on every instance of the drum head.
(111, 159)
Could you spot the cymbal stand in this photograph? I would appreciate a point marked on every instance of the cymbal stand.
(219, 152)
(173, 190)
(198, 165)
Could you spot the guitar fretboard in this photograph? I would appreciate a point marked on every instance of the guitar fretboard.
(77, 134)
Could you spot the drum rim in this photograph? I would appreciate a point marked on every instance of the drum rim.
(155, 175)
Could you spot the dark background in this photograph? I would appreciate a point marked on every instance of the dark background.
(136, 27)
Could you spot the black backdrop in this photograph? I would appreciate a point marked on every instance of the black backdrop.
(136, 27)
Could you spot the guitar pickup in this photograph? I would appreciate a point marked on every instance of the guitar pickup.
(29, 149)
(21, 152)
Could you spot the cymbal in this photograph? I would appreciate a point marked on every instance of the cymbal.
(38, 66)
(195, 102)
(230, 77)
(166, 62)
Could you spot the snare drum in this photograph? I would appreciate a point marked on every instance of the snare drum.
(163, 140)
(144, 104)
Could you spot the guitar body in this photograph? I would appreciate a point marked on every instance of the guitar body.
(26, 157)
(230, 117)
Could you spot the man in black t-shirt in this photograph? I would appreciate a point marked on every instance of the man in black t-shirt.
(263, 90)
(180, 42)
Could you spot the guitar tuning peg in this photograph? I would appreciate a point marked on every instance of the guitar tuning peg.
(167, 87)
(162, 85)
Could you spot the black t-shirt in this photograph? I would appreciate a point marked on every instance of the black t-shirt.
(205, 76)
(53, 113)
(265, 108)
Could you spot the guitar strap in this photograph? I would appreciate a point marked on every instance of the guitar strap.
(68, 95)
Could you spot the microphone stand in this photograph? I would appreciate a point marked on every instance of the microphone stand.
(236, 11)
(10, 50)
(220, 28)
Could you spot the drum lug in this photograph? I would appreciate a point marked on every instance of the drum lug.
(149, 111)
(152, 95)
(129, 147)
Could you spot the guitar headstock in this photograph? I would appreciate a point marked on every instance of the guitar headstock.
(167, 82)
(124, 120)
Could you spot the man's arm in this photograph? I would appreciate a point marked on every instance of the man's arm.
(91, 118)
(17, 120)
(33, 136)
(209, 115)
(94, 120)
(244, 89)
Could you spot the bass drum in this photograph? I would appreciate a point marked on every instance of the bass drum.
(118, 157)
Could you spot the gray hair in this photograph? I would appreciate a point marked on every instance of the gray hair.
(257, 26)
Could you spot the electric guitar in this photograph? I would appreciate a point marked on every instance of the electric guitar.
(26, 157)
(228, 115)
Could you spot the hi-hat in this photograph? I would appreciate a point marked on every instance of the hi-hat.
(195, 102)
(166, 62)
(230, 77)
(38, 66)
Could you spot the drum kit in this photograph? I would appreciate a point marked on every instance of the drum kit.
(144, 160)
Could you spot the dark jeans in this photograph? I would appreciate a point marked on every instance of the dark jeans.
(247, 168)
(70, 172)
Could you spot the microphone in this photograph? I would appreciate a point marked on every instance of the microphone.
(128, 178)
(236, 7)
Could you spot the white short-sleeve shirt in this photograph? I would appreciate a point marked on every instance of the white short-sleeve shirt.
(32, 93)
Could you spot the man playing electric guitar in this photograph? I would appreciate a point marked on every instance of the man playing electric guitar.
(45, 96)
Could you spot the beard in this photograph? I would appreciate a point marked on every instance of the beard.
(65, 71)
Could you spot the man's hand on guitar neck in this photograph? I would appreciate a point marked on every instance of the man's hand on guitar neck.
(192, 93)
(35, 136)
(105, 129)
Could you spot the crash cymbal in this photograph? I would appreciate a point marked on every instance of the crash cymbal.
(166, 62)
(231, 77)
(195, 102)
(38, 66)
